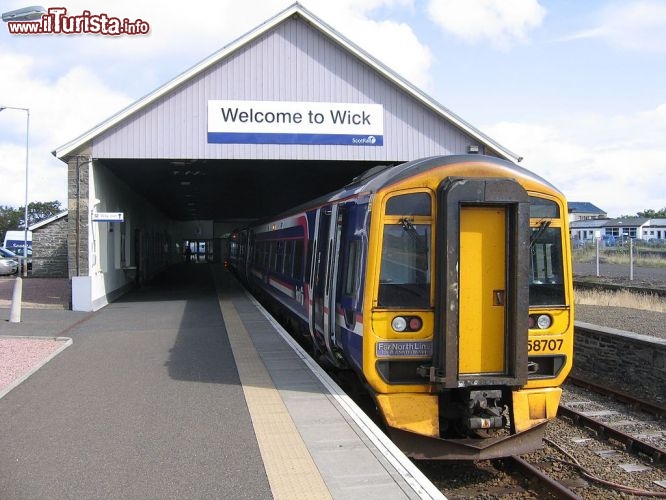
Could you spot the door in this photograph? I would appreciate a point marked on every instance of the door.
(324, 278)
(482, 346)
(319, 313)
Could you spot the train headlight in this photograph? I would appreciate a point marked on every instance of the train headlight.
(399, 324)
(540, 321)
(406, 324)
(543, 321)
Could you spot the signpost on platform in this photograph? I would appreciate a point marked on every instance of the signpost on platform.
(108, 217)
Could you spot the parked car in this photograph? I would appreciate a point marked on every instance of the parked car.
(18, 251)
(8, 262)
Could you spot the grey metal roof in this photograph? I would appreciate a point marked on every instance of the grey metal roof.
(627, 222)
(584, 207)
(294, 10)
(588, 223)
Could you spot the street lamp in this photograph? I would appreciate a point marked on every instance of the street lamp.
(25, 215)
(24, 14)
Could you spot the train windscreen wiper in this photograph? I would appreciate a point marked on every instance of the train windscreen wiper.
(421, 242)
(536, 234)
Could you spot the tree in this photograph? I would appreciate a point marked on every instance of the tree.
(41, 210)
(653, 214)
(12, 218)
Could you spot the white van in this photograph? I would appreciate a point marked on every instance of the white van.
(15, 239)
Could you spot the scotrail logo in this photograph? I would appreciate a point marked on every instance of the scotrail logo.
(371, 140)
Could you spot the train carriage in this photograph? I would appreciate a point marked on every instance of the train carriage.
(445, 284)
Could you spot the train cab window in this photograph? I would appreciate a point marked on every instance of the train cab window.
(541, 208)
(546, 273)
(404, 279)
(409, 204)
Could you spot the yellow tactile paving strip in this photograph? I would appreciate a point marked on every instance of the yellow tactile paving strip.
(291, 472)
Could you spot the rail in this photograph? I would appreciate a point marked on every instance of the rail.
(632, 443)
(555, 488)
(637, 403)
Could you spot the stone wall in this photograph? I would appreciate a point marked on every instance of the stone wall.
(49, 250)
(77, 231)
(633, 360)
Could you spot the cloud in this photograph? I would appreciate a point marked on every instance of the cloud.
(637, 26)
(73, 82)
(61, 108)
(593, 157)
(393, 43)
(181, 36)
(501, 23)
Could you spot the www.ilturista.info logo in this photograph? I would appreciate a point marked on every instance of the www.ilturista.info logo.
(56, 21)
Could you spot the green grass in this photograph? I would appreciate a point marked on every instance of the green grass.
(643, 256)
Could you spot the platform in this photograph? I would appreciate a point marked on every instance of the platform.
(162, 396)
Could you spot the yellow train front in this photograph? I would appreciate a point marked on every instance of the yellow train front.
(467, 306)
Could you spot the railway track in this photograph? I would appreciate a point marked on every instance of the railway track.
(604, 431)
(636, 403)
(621, 437)
(547, 483)
(634, 440)
(506, 478)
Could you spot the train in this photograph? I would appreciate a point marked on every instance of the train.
(444, 284)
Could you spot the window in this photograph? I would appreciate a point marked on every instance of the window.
(409, 204)
(278, 262)
(404, 279)
(289, 258)
(351, 272)
(541, 208)
(546, 273)
(298, 260)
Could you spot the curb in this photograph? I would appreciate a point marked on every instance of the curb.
(7, 304)
(67, 341)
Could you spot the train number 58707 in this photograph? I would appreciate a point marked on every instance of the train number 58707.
(539, 345)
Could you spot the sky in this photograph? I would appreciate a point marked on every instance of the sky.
(577, 88)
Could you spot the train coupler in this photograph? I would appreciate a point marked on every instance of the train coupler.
(484, 412)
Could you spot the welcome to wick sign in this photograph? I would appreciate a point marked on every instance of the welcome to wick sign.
(279, 122)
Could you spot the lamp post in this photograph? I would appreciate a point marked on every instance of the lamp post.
(24, 14)
(25, 214)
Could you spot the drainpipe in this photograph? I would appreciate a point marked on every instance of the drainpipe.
(78, 216)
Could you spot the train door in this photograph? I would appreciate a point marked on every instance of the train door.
(330, 290)
(482, 278)
(324, 282)
(318, 315)
(482, 290)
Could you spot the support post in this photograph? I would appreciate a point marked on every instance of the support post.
(17, 296)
